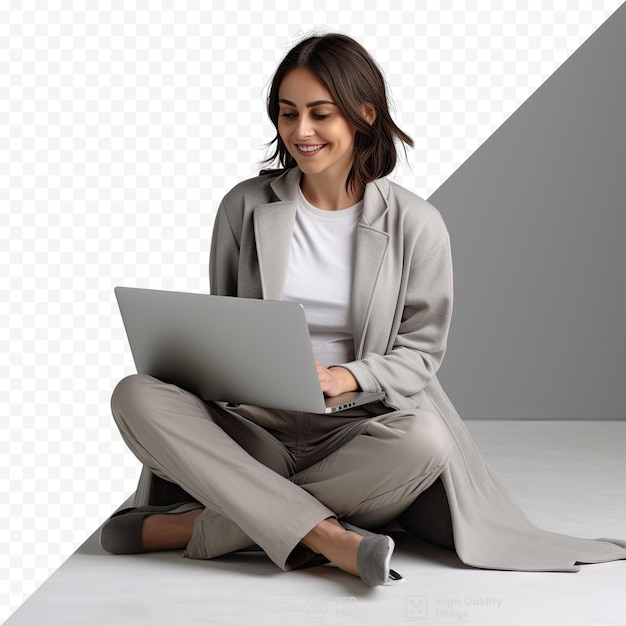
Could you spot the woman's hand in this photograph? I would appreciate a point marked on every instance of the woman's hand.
(336, 380)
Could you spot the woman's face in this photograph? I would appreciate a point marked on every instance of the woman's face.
(313, 128)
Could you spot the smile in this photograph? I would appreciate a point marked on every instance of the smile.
(309, 150)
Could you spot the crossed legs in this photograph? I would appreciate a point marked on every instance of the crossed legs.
(252, 489)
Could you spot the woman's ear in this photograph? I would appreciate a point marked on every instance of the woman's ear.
(369, 113)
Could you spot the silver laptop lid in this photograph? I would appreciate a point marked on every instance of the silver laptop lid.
(237, 350)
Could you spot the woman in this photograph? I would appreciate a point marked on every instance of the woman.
(370, 261)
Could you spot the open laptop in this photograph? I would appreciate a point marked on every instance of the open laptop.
(238, 350)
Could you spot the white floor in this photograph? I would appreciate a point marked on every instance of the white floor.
(569, 477)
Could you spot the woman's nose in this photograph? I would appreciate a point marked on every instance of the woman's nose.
(304, 128)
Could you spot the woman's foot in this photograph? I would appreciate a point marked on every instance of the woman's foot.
(168, 532)
(150, 528)
(356, 551)
(336, 544)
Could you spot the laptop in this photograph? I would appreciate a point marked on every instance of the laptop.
(236, 350)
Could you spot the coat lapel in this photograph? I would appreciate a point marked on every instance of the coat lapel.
(273, 229)
(371, 249)
(273, 226)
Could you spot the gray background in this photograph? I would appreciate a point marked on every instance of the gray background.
(537, 217)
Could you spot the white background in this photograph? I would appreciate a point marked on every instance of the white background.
(121, 126)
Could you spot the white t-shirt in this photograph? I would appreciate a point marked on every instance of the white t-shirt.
(319, 277)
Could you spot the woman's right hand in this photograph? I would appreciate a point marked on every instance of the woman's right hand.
(335, 380)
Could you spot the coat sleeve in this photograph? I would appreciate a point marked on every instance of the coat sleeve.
(224, 258)
(418, 340)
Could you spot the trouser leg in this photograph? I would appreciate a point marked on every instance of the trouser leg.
(370, 479)
(375, 476)
(378, 468)
(176, 436)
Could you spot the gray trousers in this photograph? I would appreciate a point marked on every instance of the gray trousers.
(268, 477)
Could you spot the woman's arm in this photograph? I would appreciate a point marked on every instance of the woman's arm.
(404, 367)
(224, 258)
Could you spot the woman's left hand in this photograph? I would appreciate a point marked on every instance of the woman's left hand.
(335, 380)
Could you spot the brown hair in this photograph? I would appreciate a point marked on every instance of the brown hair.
(353, 79)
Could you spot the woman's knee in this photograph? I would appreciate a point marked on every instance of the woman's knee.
(425, 436)
(436, 437)
(130, 395)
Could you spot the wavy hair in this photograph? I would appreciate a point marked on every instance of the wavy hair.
(353, 79)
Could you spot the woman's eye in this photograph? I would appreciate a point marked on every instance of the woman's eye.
(315, 116)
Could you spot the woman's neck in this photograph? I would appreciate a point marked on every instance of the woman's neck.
(327, 196)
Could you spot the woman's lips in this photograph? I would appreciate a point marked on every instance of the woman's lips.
(309, 149)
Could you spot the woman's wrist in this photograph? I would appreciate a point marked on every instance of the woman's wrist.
(346, 381)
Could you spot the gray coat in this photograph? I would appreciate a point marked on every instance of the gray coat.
(402, 303)
(402, 289)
